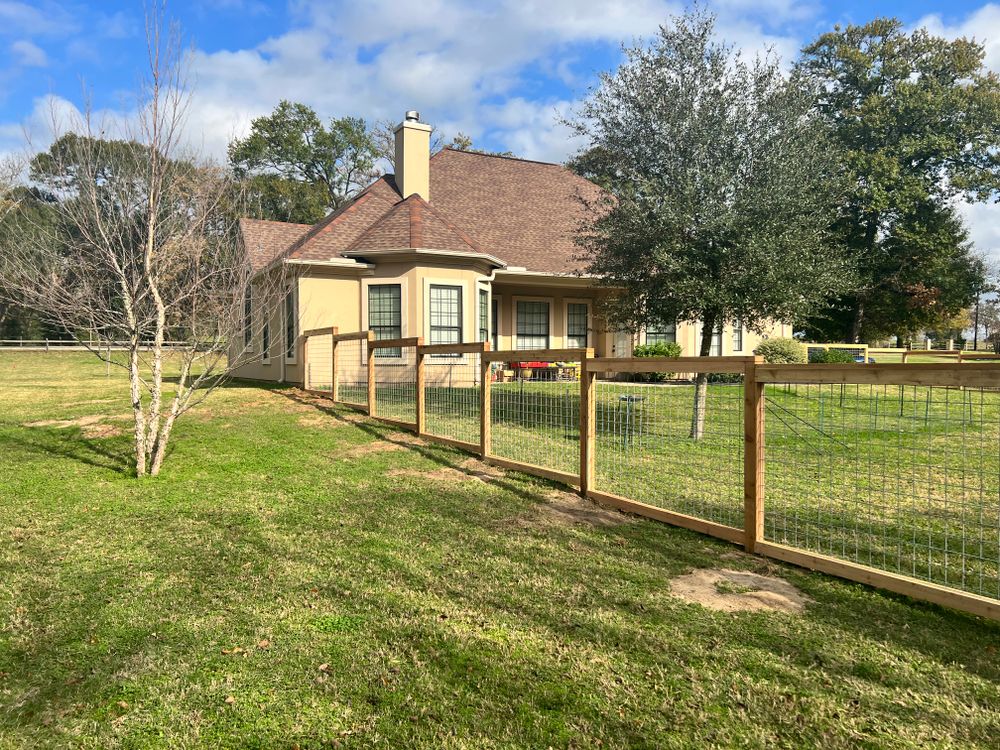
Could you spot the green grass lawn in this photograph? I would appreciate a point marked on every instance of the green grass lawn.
(300, 577)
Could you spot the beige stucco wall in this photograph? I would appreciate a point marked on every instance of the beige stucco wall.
(328, 297)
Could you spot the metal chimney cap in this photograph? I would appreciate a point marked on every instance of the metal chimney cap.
(412, 116)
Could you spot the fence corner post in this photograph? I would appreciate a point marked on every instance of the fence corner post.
(305, 363)
(334, 383)
(588, 422)
(753, 456)
(371, 374)
(485, 408)
(421, 389)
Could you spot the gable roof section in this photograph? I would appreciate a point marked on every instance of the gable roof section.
(413, 223)
(334, 234)
(265, 240)
(523, 213)
(526, 213)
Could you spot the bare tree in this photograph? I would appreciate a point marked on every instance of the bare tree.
(145, 248)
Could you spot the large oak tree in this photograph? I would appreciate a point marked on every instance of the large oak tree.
(721, 189)
(917, 120)
(298, 168)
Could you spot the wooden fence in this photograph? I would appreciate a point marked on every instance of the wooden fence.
(886, 474)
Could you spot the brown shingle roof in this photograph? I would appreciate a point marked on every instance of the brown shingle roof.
(333, 235)
(525, 213)
(412, 223)
(264, 240)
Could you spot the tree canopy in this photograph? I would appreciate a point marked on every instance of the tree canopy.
(300, 168)
(917, 122)
(722, 186)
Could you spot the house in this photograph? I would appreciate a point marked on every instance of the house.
(458, 246)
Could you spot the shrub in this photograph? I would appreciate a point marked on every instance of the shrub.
(725, 377)
(831, 357)
(781, 351)
(670, 349)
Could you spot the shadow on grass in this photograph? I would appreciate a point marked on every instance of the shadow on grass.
(112, 453)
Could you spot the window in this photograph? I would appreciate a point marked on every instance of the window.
(495, 325)
(484, 315)
(248, 319)
(661, 333)
(385, 315)
(446, 314)
(738, 336)
(532, 325)
(290, 324)
(716, 348)
(265, 341)
(577, 319)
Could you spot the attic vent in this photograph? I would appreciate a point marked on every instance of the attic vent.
(412, 115)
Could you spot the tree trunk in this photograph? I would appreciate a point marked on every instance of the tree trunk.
(159, 450)
(701, 379)
(859, 316)
(139, 416)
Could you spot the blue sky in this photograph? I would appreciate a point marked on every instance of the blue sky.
(501, 71)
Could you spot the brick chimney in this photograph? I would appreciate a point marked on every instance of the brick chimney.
(413, 157)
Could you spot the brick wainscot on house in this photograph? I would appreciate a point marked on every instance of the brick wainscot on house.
(455, 247)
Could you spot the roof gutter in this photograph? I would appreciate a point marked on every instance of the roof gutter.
(427, 251)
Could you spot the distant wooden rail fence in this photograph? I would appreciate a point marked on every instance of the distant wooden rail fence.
(540, 423)
(72, 345)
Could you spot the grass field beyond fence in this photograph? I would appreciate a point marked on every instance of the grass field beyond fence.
(301, 576)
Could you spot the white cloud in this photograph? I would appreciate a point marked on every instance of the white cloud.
(458, 63)
(28, 54)
(983, 220)
(38, 18)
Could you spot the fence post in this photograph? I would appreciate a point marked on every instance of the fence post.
(305, 363)
(371, 375)
(421, 411)
(753, 456)
(485, 410)
(334, 384)
(588, 426)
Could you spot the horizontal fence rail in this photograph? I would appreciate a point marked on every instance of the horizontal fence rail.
(887, 473)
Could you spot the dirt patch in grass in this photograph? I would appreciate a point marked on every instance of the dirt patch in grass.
(92, 427)
(729, 590)
(567, 508)
(379, 446)
(61, 424)
(469, 470)
(100, 431)
(395, 441)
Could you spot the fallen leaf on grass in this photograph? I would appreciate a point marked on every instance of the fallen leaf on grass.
(230, 700)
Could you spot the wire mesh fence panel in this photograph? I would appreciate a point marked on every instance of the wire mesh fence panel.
(535, 413)
(352, 371)
(648, 446)
(319, 363)
(451, 396)
(396, 383)
(901, 478)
